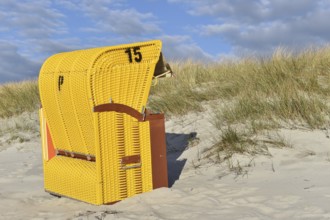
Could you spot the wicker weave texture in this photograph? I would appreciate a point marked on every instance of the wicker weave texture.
(73, 178)
(125, 137)
(70, 85)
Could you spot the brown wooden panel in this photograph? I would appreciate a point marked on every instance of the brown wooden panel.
(158, 150)
(119, 108)
(131, 159)
(76, 155)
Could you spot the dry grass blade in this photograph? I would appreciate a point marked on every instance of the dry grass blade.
(16, 98)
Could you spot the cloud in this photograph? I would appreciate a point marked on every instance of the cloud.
(32, 30)
(250, 11)
(35, 19)
(125, 22)
(27, 25)
(182, 47)
(259, 26)
(114, 16)
(218, 29)
(15, 67)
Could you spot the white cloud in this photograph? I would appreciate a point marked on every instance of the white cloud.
(125, 22)
(250, 11)
(32, 30)
(115, 17)
(215, 29)
(15, 67)
(182, 47)
(35, 19)
(36, 29)
(27, 25)
(262, 25)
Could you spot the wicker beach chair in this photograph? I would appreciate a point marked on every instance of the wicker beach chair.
(100, 145)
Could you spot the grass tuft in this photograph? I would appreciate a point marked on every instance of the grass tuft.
(16, 98)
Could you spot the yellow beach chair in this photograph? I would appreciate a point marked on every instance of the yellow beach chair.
(100, 145)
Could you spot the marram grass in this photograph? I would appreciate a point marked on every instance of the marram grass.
(16, 98)
(282, 87)
(252, 94)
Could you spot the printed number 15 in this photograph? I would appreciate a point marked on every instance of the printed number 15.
(136, 52)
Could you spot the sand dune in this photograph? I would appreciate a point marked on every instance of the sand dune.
(290, 183)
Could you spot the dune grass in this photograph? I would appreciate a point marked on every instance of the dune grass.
(16, 98)
(255, 94)
(284, 86)
(18, 112)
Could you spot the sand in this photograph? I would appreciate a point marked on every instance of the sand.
(289, 183)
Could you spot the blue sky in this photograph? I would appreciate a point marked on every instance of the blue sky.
(207, 30)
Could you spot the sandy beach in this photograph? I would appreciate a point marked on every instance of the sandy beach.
(288, 183)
